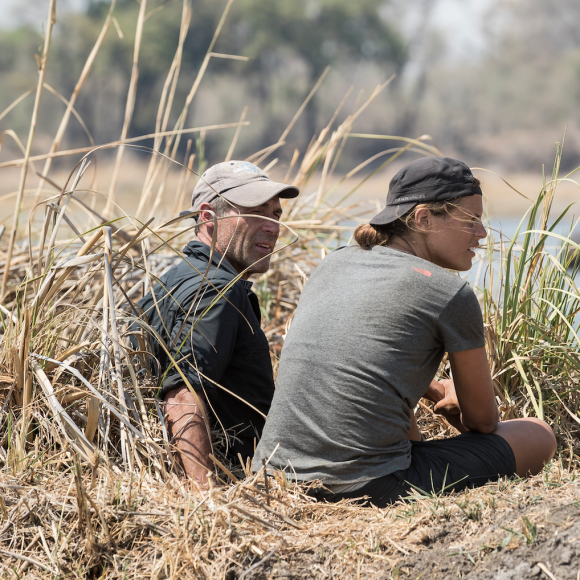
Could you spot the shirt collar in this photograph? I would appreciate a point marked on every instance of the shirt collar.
(200, 249)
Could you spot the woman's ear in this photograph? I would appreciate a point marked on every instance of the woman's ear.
(423, 218)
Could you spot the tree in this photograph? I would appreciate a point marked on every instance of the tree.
(306, 35)
(319, 33)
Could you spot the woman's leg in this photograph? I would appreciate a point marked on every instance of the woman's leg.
(532, 442)
(469, 460)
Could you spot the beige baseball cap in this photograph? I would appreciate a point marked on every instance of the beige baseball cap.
(240, 182)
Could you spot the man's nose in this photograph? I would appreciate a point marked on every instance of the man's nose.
(271, 227)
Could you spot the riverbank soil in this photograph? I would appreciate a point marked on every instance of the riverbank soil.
(519, 530)
(108, 524)
(526, 542)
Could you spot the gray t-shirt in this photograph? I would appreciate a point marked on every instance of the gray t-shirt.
(367, 338)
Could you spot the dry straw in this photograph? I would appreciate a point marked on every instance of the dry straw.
(91, 487)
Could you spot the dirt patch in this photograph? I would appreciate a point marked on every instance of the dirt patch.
(511, 531)
(553, 548)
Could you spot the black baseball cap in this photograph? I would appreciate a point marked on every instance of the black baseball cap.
(423, 180)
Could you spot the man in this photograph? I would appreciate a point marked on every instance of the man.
(209, 318)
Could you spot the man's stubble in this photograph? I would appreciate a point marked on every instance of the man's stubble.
(238, 247)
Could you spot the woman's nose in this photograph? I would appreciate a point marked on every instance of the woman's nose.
(482, 232)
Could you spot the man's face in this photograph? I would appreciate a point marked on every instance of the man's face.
(248, 242)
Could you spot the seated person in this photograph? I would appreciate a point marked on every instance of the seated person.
(211, 323)
(371, 328)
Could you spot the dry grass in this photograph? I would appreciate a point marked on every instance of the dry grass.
(89, 485)
(63, 519)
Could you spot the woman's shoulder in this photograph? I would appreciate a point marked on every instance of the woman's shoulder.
(341, 255)
(414, 265)
(448, 284)
(418, 272)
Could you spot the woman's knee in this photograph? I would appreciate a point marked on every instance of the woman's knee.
(532, 442)
(543, 435)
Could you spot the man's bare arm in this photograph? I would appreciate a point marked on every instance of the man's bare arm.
(188, 431)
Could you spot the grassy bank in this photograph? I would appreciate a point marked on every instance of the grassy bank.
(90, 488)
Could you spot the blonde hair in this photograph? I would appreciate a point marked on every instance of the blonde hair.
(368, 236)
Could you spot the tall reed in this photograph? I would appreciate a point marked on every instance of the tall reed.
(73, 380)
(532, 306)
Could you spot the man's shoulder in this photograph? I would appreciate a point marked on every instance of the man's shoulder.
(193, 268)
(188, 276)
(183, 280)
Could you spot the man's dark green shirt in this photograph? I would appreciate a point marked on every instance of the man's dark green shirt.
(212, 330)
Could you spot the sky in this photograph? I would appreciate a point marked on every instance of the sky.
(14, 13)
(459, 20)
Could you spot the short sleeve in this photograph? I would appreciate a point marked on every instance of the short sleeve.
(460, 324)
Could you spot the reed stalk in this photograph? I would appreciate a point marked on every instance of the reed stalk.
(71, 102)
(130, 104)
(130, 140)
(33, 122)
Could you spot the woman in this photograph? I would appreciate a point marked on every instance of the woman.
(370, 331)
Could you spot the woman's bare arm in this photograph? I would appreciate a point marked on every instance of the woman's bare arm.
(414, 434)
(474, 389)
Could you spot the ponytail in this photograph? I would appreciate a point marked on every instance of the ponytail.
(367, 236)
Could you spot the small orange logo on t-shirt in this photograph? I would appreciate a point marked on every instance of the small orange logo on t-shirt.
(421, 271)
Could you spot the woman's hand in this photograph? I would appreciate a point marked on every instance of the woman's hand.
(442, 393)
(448, 403)
(435, 392)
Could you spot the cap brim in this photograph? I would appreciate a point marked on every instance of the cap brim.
(189, 211)
(259, 192)
(392, 213)
(254, 193)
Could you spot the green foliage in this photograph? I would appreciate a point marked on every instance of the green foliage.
(531, 312)
(315, 34)
(529, 532)
(298, 35)
(473, 511)
(18, 69)
(321, 32)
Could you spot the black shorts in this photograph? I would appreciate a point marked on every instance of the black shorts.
(442, 466)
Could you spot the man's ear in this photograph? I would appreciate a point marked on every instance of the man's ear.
(205, 216)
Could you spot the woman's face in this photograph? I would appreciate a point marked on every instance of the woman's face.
(451, 239)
